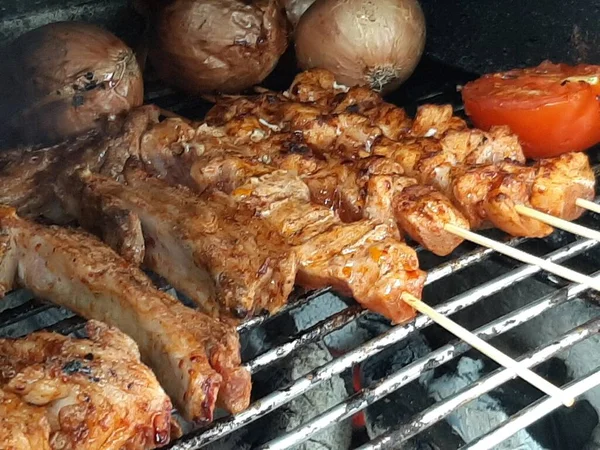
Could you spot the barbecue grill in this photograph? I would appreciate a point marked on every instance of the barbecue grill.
(454, 286)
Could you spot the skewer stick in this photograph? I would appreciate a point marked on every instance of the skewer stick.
(558, 223)
(522, 256)
(586, 204)
(490, 351)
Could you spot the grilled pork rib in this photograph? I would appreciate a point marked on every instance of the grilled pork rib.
(196, 358)
(64, 393)
(224, 259)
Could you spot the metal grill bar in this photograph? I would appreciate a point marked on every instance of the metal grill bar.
(534, 412)
(300, 386)
(411, 372)
(313, 334)
(442, 409)
(339, 320)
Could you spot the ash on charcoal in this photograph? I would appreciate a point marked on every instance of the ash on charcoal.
(401, 405)
(324, 396)
(322, 307)
(482, 414)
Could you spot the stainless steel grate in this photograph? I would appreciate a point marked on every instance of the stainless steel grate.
(566, 250)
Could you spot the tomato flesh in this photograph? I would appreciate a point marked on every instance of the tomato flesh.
(553, 108)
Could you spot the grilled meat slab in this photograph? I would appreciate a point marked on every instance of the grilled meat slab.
(64, 393)
(224, 259)
(27, 174)
(195, 357)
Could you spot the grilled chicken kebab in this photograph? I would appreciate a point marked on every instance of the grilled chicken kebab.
(64, 393)
(436, 149)
(195, 357)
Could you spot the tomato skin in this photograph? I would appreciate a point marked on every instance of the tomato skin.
(549, 115)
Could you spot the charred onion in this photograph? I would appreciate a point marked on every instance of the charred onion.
(62, 79)
(204, 46)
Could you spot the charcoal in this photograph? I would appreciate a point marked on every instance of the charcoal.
(401, 405)
(480, 415)
(324, 396)
(326, 305)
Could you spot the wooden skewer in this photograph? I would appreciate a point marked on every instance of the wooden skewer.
(586, 204)
(549, 266)
(558, 223)
(490, 351)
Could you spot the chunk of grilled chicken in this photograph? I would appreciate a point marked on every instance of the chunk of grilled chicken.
(22, 426)
(363, 259)
(195, 357)
(66, 393)
(213, 250)
(559, 182)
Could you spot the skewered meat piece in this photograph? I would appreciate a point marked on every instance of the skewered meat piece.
(214, 251)
(439, 146)
(22, 426)
(64, 393)
(559, 182)
(363, 259)
(196, 358)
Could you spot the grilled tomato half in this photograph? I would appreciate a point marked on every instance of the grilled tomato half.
(553, 108)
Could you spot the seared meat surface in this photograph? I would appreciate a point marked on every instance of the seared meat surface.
(213, 250)
(22, 426)
(195, 357)
(65, 393)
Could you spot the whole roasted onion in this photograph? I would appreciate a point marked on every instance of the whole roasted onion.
(64, 78)
(204, 46)
(363, 42)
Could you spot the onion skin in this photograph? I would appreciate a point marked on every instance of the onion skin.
(217, 46)
(295, 9)
(362, 42)
(64, 79)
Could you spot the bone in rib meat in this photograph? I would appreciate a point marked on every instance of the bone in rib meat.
(195, 357)
(66, 393)
(213, 250)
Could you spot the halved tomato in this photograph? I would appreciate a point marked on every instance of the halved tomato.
(553, 108)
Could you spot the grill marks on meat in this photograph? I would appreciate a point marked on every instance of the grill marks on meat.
(214, 251)
(64, 393)
(195, 357)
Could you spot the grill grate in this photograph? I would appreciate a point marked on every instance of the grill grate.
(562, 249)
